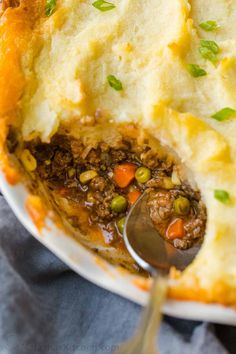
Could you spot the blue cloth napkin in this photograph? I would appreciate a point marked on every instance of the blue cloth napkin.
(45, 308)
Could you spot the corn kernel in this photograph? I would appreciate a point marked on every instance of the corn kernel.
(87, 176)
(28, 160)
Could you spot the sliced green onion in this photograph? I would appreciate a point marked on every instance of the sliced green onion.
(103, 5)
(114, 83)
(223, 114)
(213, 46)
(195, 70)
(50, 7)
(209, 50)
(208, 54)
(209, 26)
(221, 195)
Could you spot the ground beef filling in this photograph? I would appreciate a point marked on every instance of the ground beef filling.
(108, 180)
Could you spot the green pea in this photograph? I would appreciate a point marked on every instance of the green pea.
(182, 205)
(120, 225)
(143, 174)
(119, 204)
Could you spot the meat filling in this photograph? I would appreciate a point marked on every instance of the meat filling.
(107, 179)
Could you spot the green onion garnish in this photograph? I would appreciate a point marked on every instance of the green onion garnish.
(195, 70)
(207, 54)
(209, 50)
(221, 195)
(50, 7)
(213, 46)
(209, 26)
(103, 5)
(114, 83)
(223, 114)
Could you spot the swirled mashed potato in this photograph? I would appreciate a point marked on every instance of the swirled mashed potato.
(148, 46)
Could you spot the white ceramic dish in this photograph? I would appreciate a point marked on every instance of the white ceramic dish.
(103, 274)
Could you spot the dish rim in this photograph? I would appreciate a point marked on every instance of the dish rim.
(103, 274)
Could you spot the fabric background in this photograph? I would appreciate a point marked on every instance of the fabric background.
(46, 308)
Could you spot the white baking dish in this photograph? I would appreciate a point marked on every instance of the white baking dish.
(100, 272)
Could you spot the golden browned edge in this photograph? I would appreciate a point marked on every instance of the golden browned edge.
(16, 28)
(221, 293)
(16, 32)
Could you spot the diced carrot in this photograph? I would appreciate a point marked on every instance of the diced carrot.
(124, 174)
(133, 196)
(175, 229)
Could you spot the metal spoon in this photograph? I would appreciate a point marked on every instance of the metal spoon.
(156, 256)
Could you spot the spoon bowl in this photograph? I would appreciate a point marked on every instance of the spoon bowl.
(151, 251)
(154, 254)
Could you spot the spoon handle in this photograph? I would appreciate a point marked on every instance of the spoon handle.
(144, 341)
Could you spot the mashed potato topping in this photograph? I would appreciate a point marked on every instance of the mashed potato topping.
(146, 45)
(173, 76)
